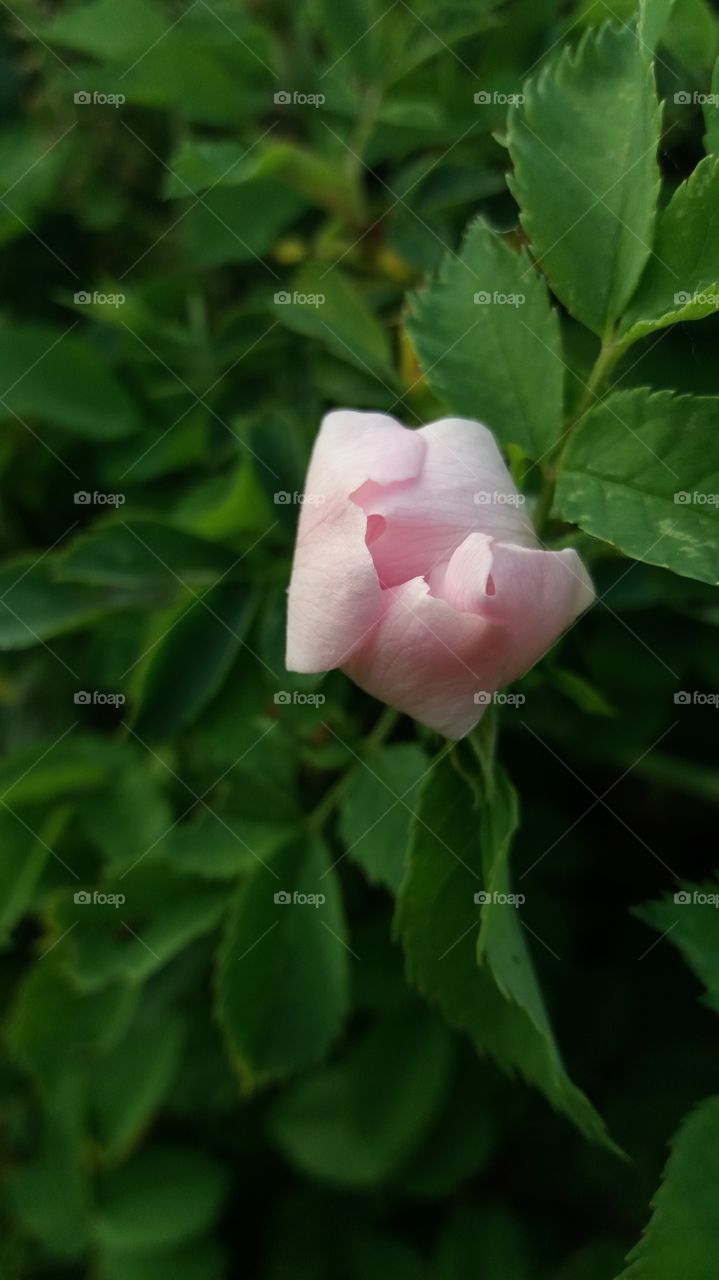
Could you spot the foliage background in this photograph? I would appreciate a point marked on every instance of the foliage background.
(200, 1083)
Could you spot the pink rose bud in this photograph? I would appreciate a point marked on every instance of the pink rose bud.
(417, 569)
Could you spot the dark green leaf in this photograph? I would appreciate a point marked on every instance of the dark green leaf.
(488, 341)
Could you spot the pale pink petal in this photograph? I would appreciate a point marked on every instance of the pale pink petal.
(334, 595)
(428, 661)
(464, 486)
(535, 594)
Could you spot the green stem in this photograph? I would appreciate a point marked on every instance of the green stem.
(610, 353)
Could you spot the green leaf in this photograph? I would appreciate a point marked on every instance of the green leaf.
(133, 1079)
(437, 922)
(682, 1237)
(51, 1193)
(129, 816)
(283, 972)
(66, 766)
(374, 823)
(227, 226)
(144, 553)
(165, 1195)
(584, 147)
(34, 606)
(711, 114)
(353, 1124)
(51, 1025)
(692, 35)
(189, 666)
(690, 921)
(350, 33)
(105, 29)
(109, 939)
(486, 1241)
(315, 177)
(221, 847)
(196, 1260)
(681, 279)
(488, 341)
(326, 305)
(463, 1139)
(653, 19)
(63, 380)
(642, 471)
(23, 855)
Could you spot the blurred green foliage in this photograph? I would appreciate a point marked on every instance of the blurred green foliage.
(199, 1080)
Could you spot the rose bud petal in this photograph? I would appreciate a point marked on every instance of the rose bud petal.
(417, 569)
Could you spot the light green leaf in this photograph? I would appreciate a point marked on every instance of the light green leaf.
(681, 279)
(642, 472)
(437, 922)
(682, 1238)
(584, 147)
(488, 341)
(63, 380)
(653, 19)
(283, 969)
(692, 35)
(373, 822)
(690, 920)
(163, 1196)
